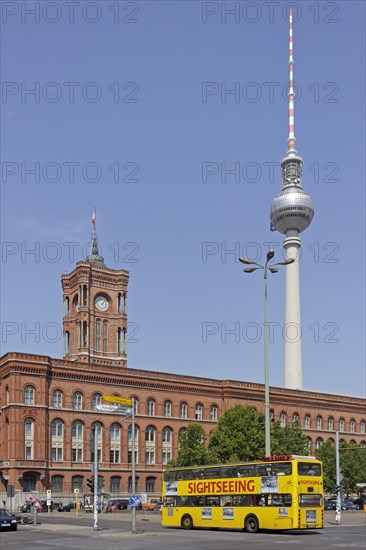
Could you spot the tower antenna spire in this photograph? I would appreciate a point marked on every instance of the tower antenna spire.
(291, 93)
(94, 256)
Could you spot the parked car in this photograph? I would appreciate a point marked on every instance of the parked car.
(158, 507)
(7, 520)
(41, 506)
(117, 504)
(329, 504)
(151, 503)
(348, 504)
(360, 503)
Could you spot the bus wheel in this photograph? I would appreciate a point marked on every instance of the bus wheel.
(187, 522)
(251, 524)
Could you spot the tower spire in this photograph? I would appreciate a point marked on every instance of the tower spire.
(291, 94)
(95, 257)
(291, 213)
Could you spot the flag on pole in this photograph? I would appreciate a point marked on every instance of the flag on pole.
(93, 219)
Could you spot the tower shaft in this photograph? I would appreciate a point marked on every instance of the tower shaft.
(292, 326)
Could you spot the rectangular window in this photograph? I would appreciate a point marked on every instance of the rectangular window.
(114, 456)
(150, 457)
(309, 469)
(28, 452)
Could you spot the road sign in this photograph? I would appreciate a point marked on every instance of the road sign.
(76, 491)
(48, 493)
(135, 500)
(119, 400)
(111, 407)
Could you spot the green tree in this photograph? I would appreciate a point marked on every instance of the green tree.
(192, 447)
(288, 440)
(326, 453)
(352, 460)
(238, 436)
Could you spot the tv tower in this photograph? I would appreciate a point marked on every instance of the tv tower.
(291, 213)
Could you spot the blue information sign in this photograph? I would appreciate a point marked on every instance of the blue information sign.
(135, 500)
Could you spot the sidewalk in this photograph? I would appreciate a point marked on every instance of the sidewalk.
(148, 524)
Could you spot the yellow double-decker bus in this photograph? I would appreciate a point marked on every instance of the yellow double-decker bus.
(278, 492)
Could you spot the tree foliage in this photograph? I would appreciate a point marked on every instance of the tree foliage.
(192, 447)
(238, 437)
(352, 461)
(327, 454)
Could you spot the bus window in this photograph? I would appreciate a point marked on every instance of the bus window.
(309, 469)
(212, 501)
(212, 473)
(229, 472)
(281, 469)
(310, 500)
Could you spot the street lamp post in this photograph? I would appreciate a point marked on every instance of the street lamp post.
(272, 269)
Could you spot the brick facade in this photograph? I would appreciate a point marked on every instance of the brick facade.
(47, 405)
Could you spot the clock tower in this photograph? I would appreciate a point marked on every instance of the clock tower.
(95, 311)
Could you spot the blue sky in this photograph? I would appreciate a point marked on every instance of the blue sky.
(132, 113)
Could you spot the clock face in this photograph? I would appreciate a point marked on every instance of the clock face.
(101, 303)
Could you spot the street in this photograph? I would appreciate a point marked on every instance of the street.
(65, 531)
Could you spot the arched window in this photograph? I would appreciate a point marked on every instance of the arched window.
(150, 445)
(29, 483)
(77, 483)
(114, 443)
(29, 395)
(57, 443)
(167, 409)
(150, 409)
(183, 408)
(318, 443)
(363, 444)
(85, 295)
(352, 425)
(167, 438)
(129, 436)
(97, 399)
(67, 343)
(85, 335)
(77, 401)
(341, 424)
(319, 422)
(307, 422)
(67, 307)
(28, 438)
(295, 418)
(199, 411)
(115, 484)
(150, 484)
(166, 435)
(213, 413)
(77, 443)
(362, 427)
(330, 424)
(331, 440)
(97, 334)
(77, 430)
(283, 419)
(57, 428)
(135, 402)
(105, 335)
(56, 484)
(57, 399)
(150, 434)
(96, 430)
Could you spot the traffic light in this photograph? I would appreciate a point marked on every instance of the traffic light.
(90, 483)
(337, 489)
(100, 483)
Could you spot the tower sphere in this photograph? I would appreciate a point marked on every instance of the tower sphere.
(292, 208)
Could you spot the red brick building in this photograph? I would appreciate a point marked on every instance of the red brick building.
(48, 406)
